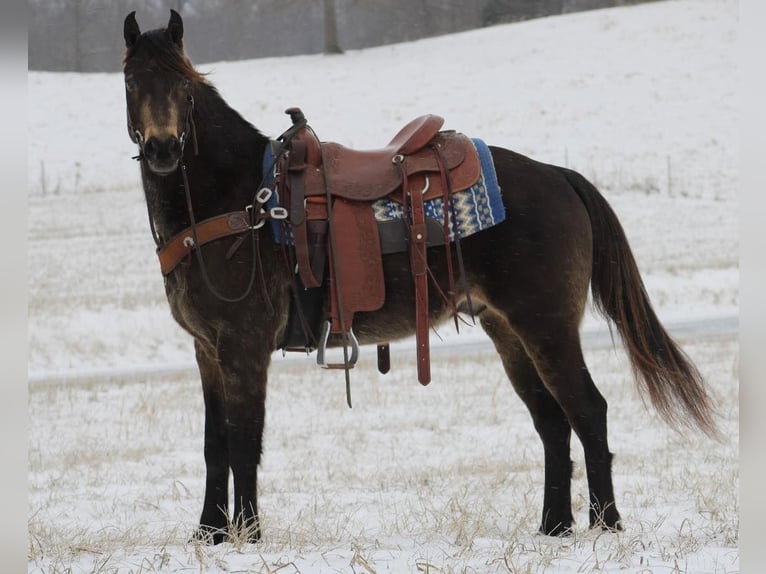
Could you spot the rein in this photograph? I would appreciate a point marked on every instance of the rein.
(255, 214)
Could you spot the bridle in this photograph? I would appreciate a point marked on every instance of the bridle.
(138, 138)
(257, 214)
(189, 128)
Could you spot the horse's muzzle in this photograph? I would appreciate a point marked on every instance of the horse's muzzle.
(162, 155)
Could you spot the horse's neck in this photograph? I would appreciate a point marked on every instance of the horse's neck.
(223, 176)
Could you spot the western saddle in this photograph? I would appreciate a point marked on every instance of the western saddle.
(326, 196)
(329, 191)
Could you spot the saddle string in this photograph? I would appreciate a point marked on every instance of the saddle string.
(449, 298)
(447, 199)
(450, 205)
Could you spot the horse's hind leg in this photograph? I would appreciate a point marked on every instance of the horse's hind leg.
(549, 420)
(213, 522)
(555, 350)
(547, 368)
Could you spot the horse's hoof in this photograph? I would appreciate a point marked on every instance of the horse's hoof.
(608, 520)
(245, 534)
(254, 538)
(253, 535)
(614, 527)
(209, 535)
(557, 529)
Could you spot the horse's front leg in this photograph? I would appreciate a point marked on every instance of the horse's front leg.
(244, 368)
(213, 522)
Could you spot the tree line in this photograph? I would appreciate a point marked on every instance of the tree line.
(86, 35)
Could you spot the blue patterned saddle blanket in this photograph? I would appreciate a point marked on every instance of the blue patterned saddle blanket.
(471, 210)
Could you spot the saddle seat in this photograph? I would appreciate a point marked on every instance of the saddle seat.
(346, 168)
(370, 175)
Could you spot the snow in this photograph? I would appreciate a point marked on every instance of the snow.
(642, 100)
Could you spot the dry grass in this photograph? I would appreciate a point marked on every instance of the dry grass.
(446, 478)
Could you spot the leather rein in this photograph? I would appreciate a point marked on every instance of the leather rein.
(252, 218)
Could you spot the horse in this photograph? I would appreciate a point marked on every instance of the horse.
(526, 279)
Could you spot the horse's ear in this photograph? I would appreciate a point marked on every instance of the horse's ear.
(176, 28)
(131, 31)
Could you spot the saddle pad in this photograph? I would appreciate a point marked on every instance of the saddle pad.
(472, 210)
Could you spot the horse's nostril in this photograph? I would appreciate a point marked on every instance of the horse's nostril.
(151, 148)
(162, 150)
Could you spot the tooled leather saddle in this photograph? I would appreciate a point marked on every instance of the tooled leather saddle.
(329, 192)
(326, 194)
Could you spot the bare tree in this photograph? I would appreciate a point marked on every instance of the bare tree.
(331, 44)
(77, 13)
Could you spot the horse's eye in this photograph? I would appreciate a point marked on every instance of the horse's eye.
(130, 85)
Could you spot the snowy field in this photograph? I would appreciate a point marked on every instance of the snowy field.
(447, 478)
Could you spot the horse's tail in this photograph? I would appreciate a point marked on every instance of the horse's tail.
(662, 370)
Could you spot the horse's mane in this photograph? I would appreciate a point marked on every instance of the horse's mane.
(167, 55)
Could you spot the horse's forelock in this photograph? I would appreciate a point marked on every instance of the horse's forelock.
(169, 57)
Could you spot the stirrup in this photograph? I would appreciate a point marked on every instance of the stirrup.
(321, 348)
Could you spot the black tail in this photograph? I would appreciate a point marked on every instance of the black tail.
(663, 371)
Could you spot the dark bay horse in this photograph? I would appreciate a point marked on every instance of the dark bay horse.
(527, 278)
